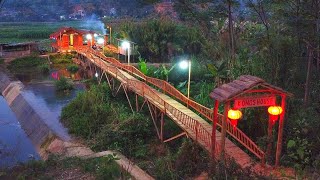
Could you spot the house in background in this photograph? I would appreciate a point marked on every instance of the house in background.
(78, 12)
(68, 38)
(165, 8)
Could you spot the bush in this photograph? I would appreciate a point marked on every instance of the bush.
(72, 68)
(61, 58)
(63, 84)
(27, 63)
(44, 68)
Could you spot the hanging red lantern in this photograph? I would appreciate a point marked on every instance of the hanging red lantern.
(274, 112)
(234, 116)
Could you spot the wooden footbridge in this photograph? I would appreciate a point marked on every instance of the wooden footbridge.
(162, 99)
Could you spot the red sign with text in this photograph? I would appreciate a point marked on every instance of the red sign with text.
(254, 101)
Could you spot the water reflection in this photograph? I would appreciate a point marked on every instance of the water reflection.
(15, 147)
(48, 104)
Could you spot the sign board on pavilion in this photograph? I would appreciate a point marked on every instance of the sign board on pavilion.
(254, 101)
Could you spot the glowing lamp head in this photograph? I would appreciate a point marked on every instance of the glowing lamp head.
(125, 45)
(96, 74)
(275, 110)
(100, 41)
(184, 64)
(89, 36)
(234, 114)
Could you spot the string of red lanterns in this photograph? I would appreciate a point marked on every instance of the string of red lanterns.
(234, 114)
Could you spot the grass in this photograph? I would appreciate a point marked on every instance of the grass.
(15, 32)
(65, 59)
(107, 123)
(29, 64)
(56, 168)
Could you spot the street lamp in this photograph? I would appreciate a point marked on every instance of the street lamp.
(184, 65)
(89, 38)
(126, 45)
(101, 42)
(110, 30)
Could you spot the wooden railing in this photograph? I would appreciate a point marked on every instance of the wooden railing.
(173, 92)
(201, 133)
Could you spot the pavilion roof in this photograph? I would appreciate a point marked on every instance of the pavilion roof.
(241, 85)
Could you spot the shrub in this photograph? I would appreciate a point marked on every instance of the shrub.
(72, 68)
(44, 68)
(61, 58)
(26, 63)
(63, 84)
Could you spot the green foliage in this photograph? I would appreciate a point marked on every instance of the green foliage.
(143, 66)
(63, 84)
(72, 68)
(87, 112)
(30, 63)
(61, 58)
(101, 168)
(1, 61)
(160, 39)
(163, 73)
(44, 68)
(190, 160)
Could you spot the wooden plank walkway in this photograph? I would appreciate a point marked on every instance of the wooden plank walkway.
(135, 85)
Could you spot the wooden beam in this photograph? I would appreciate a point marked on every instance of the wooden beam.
(280, 131)
(175, 137)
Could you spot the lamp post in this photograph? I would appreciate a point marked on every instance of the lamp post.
(110, 31)
(126, 45)
(89, 38)
(101, 42)
(184, 65)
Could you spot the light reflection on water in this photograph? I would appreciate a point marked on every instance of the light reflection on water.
(48, 104)
(15, 147)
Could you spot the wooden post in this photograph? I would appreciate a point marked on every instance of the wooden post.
(214, 128)
(280, 130)
(137, 103)
(161, 128)
(224, 130)
(269, 145)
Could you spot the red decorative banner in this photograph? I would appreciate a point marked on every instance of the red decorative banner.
(254, 101)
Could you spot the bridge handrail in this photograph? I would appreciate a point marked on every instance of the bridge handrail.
(205, 111)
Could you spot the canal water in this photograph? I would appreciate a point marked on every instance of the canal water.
(15, 147)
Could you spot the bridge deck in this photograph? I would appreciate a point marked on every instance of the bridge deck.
(231, 150)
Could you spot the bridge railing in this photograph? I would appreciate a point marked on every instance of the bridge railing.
(205, 111)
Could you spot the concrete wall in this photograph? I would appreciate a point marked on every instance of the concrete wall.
(34, 126)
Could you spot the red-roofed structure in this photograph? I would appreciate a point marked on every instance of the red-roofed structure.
(68, 38)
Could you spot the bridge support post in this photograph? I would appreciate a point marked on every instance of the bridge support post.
(214, 128)
(223, 131)
(161, 127)
(137, 102)
(269, 145)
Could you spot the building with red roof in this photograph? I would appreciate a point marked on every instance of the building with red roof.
(68, 38)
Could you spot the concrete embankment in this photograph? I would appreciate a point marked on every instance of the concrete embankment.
(43, 134)
(34, 126)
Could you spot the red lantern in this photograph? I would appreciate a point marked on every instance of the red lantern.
(234, 116)
(274, 112)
